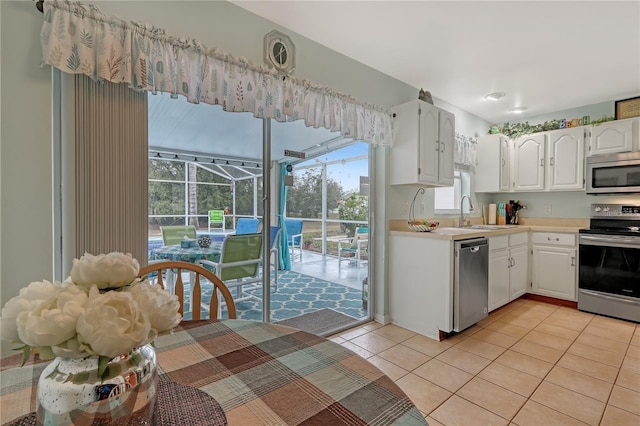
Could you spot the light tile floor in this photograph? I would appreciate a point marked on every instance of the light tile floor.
(528, 363)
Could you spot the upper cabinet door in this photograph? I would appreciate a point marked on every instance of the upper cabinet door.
(447, 140)
(565, 159)
(614, 136)
(429, 145)
(528, 163)
(505, 163)
(422, 151)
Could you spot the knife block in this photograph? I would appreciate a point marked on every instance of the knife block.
(501, 220)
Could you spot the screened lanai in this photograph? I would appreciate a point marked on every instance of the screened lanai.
(202, 158)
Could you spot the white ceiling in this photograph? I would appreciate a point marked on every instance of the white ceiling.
(546, 55)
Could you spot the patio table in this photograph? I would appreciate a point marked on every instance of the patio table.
(258, 373)
(191, 254)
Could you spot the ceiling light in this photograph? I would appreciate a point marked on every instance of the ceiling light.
(495, 96)
(518, 110)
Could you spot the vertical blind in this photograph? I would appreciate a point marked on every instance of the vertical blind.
(111, 168)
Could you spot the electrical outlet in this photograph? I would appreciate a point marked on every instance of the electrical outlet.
(547, 209)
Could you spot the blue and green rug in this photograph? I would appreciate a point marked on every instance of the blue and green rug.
(297, 294)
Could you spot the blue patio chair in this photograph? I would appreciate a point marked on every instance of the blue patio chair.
(247, 225)
(354, 247)
(294, 234)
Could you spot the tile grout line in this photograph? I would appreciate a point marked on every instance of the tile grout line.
(492, 361)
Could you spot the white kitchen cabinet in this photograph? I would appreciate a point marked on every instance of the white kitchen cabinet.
(424, 140)
(528, 162)
(549, 161)
(493, 171)
(421, 283)
(614, 136)
(508, 268)
(554, 265)
(565, 159)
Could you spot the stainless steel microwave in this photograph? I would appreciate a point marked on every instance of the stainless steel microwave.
(613, 173)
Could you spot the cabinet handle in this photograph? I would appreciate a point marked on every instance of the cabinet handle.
(542, 162)
(513, 262)
(551, 161)
(573, 261)
(553, 239)
(443, 146)
(503, 162)
(438, 146)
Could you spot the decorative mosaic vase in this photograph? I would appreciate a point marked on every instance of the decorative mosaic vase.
(71, 393)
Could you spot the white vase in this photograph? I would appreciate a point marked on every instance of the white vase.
(71, 393)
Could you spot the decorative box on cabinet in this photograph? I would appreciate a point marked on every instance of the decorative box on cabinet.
(422, 152)
(614, 136)
(508, 268)
(554, 265)
(494, 164)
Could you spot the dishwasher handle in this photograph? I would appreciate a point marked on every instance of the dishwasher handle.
(474, 243)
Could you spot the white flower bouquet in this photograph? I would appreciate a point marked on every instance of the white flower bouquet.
(103, 309)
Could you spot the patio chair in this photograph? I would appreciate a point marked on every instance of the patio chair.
(354, 247)
(247, 225)
(239, 263)
(172, 235)
(197, 272)
(216, 218)
(294, 234)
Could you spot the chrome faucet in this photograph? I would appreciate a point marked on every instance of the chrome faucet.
(461, 223)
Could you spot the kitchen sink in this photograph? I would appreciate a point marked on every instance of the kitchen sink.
(489, 227)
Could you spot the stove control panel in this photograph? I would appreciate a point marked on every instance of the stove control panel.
(622, 211)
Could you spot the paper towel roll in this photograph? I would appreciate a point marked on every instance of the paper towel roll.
(492, 214)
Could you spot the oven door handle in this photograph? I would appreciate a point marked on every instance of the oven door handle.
(604, 296)
(626, 242)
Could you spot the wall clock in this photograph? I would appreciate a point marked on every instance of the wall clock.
(279, 51)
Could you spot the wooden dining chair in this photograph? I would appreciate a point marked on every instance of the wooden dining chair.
(197, 272)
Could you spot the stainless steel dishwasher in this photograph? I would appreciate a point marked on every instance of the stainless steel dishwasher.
(471, 282)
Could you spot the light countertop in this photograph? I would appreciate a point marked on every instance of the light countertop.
(445, 232)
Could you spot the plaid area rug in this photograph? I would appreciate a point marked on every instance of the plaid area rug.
(297, 294)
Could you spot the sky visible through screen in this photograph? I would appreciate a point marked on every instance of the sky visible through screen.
(347, 174)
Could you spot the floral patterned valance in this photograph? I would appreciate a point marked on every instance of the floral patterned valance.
(79, 39)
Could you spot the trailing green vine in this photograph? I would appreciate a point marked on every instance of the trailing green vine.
(516, 130)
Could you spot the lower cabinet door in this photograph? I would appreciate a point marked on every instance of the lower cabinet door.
(554, 272)
(518, 271)
(498, 278)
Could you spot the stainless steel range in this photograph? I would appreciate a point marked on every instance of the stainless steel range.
(609, 280)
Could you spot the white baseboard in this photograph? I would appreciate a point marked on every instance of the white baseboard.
(382, 319)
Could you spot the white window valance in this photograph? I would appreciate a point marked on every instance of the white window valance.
(79, 39)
